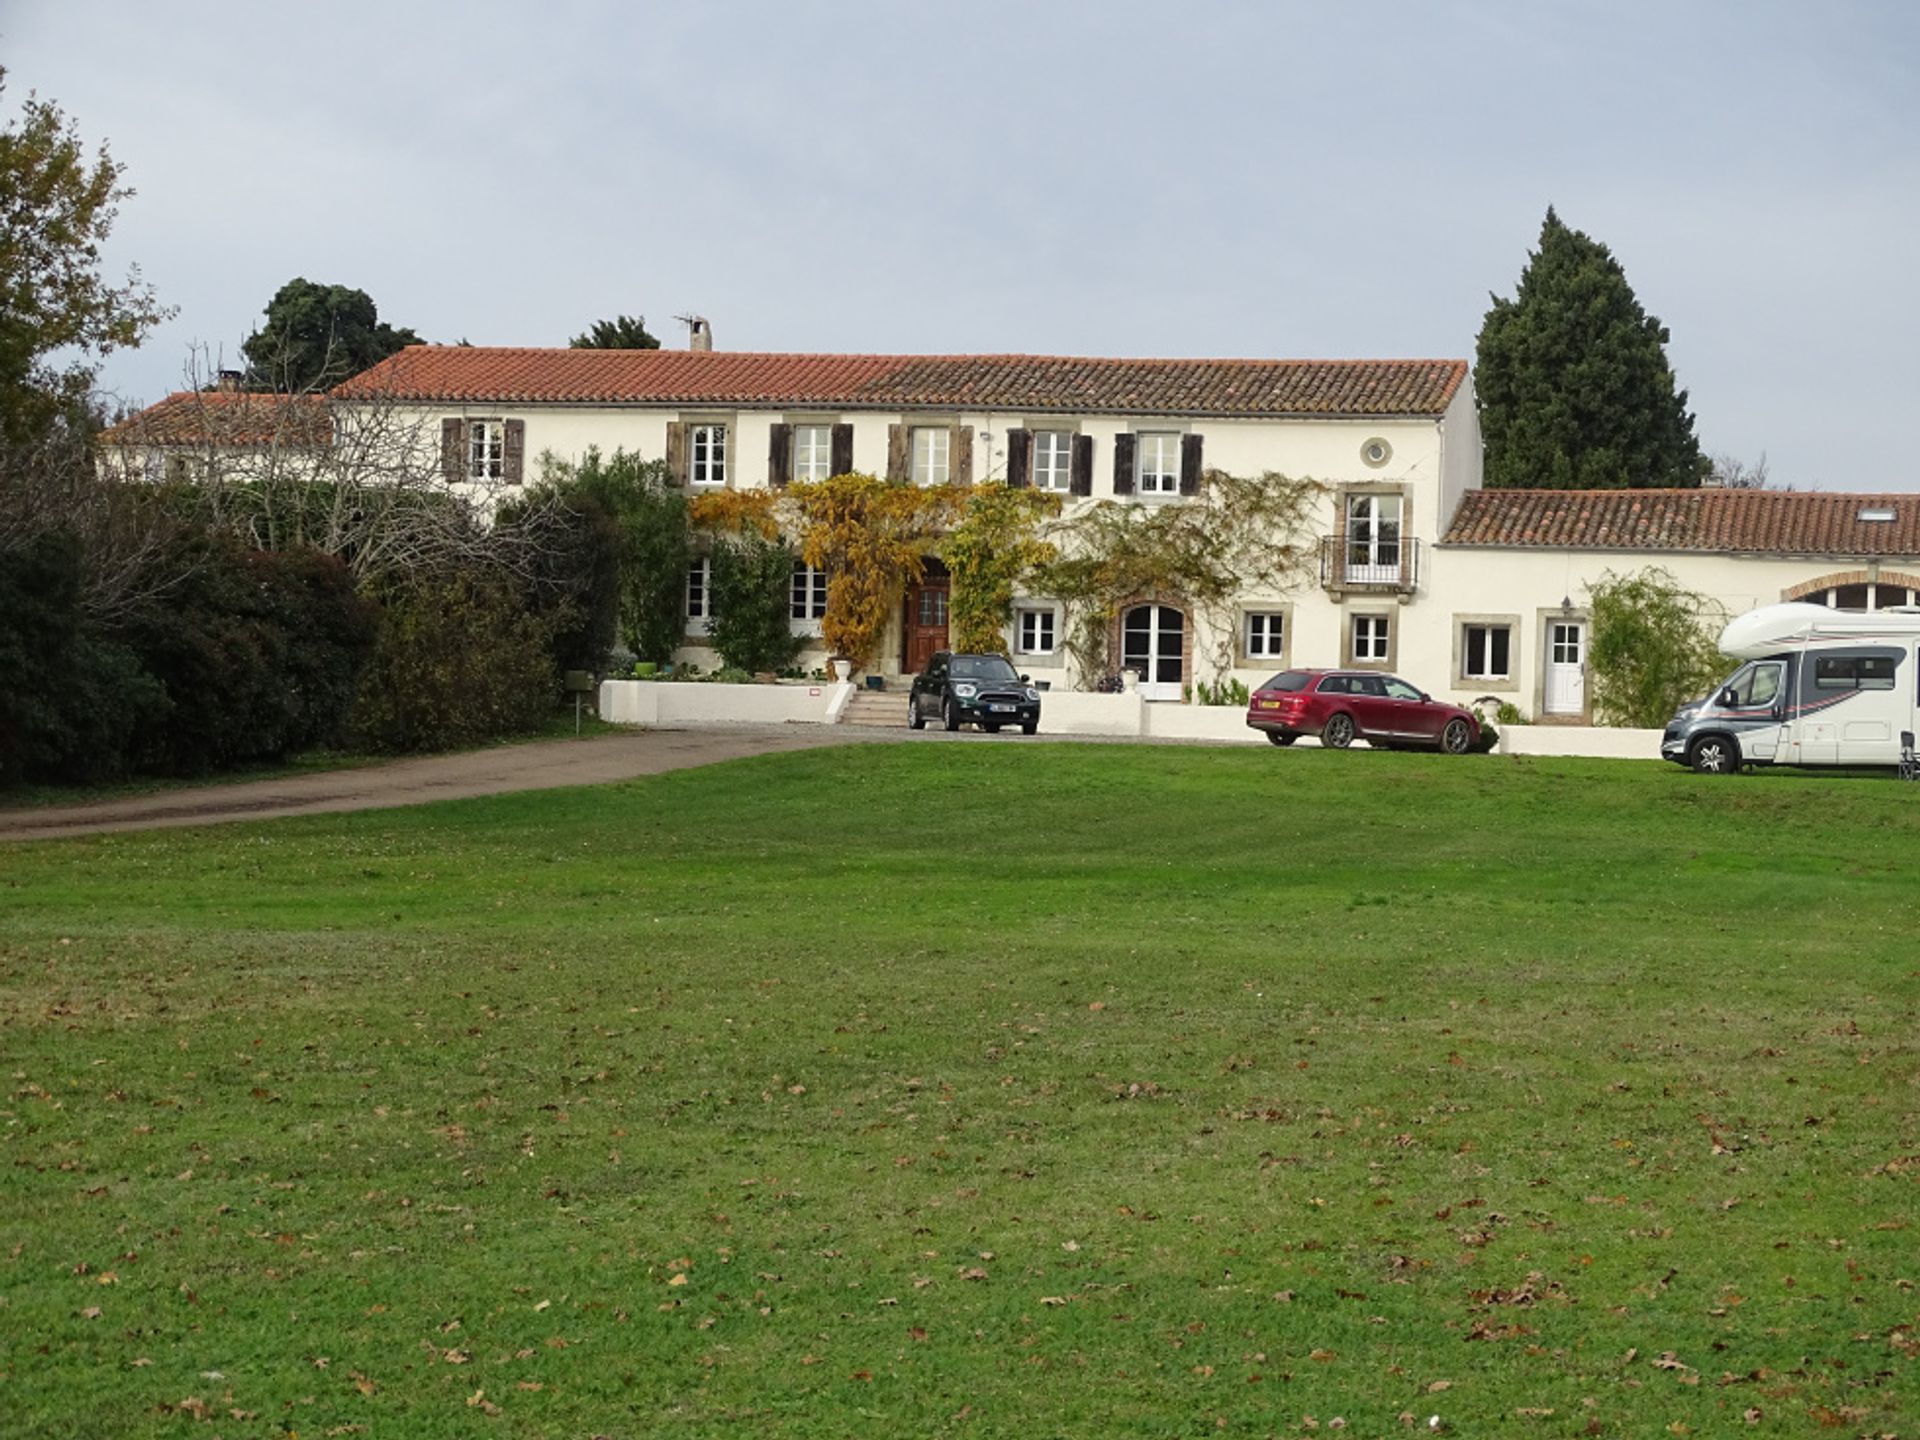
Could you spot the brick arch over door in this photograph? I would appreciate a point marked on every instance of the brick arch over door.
(1842, 579)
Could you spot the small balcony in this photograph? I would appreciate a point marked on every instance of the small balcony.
(1356, 566)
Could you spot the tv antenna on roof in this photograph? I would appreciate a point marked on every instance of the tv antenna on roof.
(699, 332)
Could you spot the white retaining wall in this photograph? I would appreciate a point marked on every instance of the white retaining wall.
(679, 703)
(676, 702)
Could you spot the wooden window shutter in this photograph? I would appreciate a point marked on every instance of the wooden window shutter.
(453, 451)
(1189, 464)
(516, 454)
(1019, 459)
(779, 454)
(1082, 472)
(1123, 464)
(960, 455)
(843, 449)
(898, 438)
(676, 453)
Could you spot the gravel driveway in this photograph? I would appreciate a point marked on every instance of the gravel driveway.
(541, 765)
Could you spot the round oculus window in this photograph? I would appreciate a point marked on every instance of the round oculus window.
(1376, 452)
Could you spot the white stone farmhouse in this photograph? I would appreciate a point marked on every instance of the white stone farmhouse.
(1396, 443)
(1467, 592)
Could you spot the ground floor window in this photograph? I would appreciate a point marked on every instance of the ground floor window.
(1371, 639)
(1487, 652)
(809, 596)
(1033, 631)
(1266, 637)
(699, 583)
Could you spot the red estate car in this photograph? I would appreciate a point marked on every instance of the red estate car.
(1342, 706)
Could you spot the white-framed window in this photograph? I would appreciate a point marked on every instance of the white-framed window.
(699, 594)
(1157, 463)
(1370, 638)
(1053, 460)
(707, 454)
(1266, 635)
(812, 453)
(1373, 539)
(809, 596)
(930, 454)
(1486, 652)
(1033, 630)
(486, 450)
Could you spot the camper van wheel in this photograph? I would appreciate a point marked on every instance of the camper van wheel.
(1714, 755)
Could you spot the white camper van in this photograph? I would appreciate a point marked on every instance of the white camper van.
(1820, 687)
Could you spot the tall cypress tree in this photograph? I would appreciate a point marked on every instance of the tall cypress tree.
(1574, 388)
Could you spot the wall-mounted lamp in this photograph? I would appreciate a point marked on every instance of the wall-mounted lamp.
(1566, 605)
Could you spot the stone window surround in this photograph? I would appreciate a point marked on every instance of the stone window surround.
(1284, 660)
(1117, 631)
(1463, 681)
(1348, 613)
(1140, 429)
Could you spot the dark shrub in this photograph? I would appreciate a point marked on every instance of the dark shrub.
(258, 652)
(72, 699)
(752, 603)
(460, 659)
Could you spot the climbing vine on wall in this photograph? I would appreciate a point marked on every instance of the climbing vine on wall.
(735, 512)
(1237, 536)
(994, 543)
(871, 536)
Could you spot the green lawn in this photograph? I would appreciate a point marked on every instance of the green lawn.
(977, 1090)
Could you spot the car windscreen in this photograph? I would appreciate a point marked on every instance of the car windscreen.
(983, 667)
(1288, 680)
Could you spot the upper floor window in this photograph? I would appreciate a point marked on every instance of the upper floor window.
(812, 453)
(1158, 463)
(931, 456)
(809, 595)
(1053, 460)
(1373, 538)
(486, 450)
(707, 455)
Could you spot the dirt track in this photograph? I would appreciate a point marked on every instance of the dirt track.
(543, 765)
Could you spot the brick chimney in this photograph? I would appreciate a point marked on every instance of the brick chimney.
(228, 382)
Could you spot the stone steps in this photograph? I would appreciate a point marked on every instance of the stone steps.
(886, 709)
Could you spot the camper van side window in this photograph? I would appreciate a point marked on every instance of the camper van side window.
(1853, 672)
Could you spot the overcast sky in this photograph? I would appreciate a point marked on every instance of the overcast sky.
(1101, 177)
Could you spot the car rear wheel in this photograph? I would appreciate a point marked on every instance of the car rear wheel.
(949, 716)
(915, 720)
(1455, 737)
(1338, 732)
(1713, 755)
(1280, 737)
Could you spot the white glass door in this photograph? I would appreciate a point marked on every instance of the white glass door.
(1152, 641)
(1566, 688)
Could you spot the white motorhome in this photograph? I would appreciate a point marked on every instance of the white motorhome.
(1820, 687)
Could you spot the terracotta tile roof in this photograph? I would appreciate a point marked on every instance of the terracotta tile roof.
(226, 417)
(1738, 522)
(471, 374)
